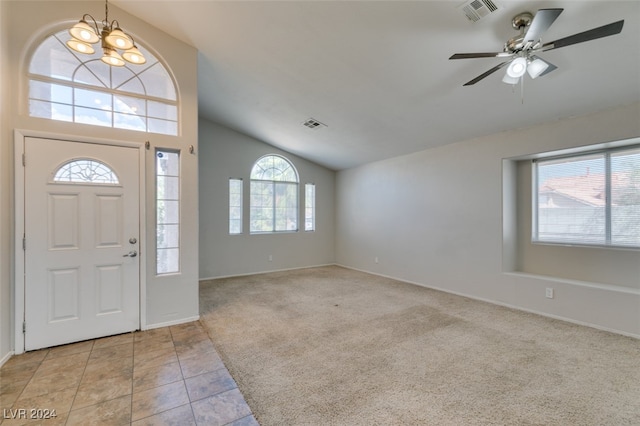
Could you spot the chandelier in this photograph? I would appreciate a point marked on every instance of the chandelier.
(112, 38)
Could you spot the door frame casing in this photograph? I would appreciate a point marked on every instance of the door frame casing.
(19, 301)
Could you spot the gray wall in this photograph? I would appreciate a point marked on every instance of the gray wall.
(226, 154)
(447, 218)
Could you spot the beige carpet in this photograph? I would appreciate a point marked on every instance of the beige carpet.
(332, 346)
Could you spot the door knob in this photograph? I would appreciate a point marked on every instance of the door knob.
(132, 253)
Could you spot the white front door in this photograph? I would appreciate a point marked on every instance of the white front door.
(82, 232)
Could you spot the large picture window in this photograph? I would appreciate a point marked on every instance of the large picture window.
(274, 196)
(589, 199)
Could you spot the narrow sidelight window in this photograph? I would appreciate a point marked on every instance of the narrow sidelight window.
(310, 207)
(167, 212)
(235, 206)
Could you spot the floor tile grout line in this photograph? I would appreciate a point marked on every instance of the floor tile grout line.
(244, 417)
(155, 387)
(160, 412)
(184, 379)
(195, 419)
(133, 354)
(30, 378)
(75, 395)
(103, 401)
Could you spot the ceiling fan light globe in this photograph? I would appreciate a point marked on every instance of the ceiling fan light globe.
(537, 67)
(510, 80)
(517, 68)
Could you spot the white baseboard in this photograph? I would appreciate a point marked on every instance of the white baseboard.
(506, 305)
(267, 272)
(6, 358)
(170, 323)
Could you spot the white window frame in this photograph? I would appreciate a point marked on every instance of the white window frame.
(236, 187)
(607, 235)
(273, 185)
(310, 207)
(159, 224)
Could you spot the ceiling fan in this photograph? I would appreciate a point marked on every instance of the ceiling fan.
(522, 49)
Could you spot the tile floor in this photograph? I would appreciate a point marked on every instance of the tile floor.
(165, 376)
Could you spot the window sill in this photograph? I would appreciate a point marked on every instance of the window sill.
(579, 283)
(584, 245)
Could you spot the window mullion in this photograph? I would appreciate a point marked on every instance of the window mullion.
(535, 201)
(273, 207)
(79, 85)
(607, 206)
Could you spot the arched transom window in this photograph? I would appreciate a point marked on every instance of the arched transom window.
(274, 195)
(80, 88)
(85, 170)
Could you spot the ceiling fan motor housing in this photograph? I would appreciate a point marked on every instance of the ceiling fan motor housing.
(520, 22)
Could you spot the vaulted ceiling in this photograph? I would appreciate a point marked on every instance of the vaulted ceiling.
(377, 73)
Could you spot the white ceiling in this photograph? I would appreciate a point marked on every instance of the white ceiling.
(377, 72)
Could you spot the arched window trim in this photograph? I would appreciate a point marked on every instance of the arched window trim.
(114, 181)
(157, 60)
(297, 180)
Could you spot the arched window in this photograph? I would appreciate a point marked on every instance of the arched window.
(274, 195)
(79, 88)
(85, 170)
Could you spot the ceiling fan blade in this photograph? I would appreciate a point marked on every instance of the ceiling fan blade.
(595, 33)
(486, 74)
(479, 55)
(541, 23)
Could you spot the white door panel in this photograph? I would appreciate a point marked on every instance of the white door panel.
(80, 282)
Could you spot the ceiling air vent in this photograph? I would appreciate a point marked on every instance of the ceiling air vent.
(475, 10)
(312, 123)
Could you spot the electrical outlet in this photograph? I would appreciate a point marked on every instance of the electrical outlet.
(549, 293)
(375, 259)
(270, 258)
